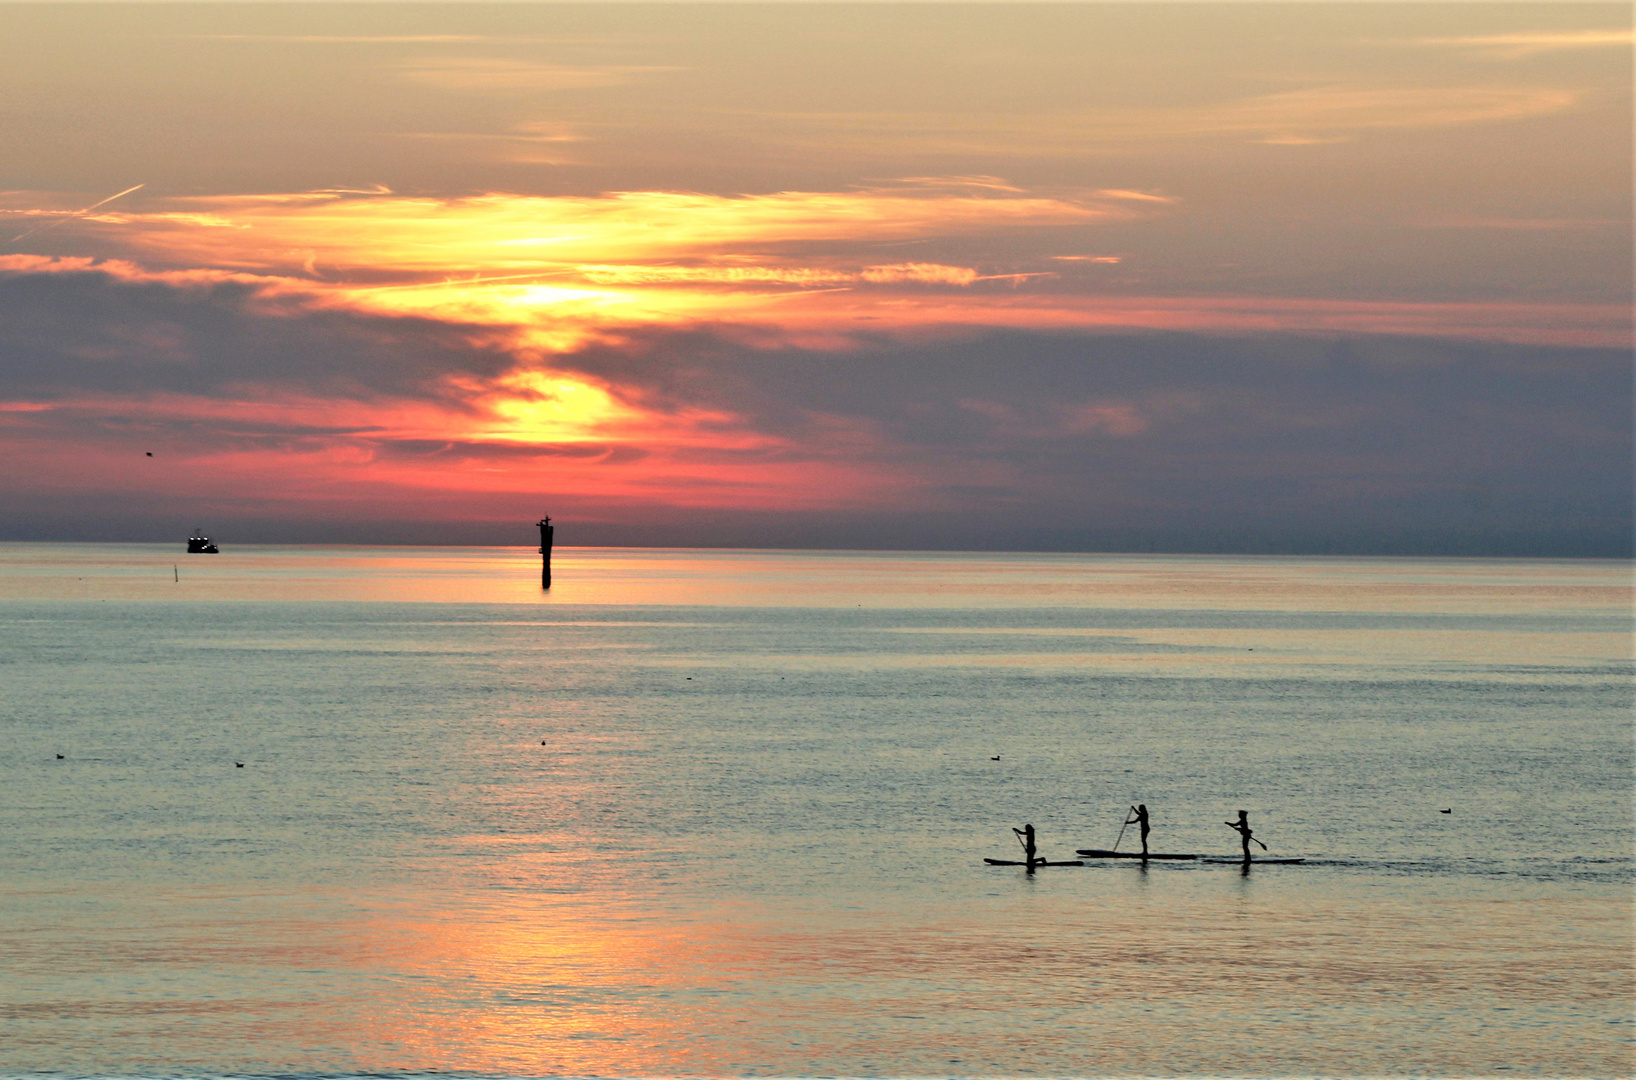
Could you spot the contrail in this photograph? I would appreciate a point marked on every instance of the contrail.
(54, 222)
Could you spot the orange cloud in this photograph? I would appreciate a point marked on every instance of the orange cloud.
(922, 273)
(898, 273)
(554, 272)
(406, 236)
(560, 268)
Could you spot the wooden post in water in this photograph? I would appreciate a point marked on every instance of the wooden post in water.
(546, 532)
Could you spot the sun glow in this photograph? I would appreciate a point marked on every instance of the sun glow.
(539, 407)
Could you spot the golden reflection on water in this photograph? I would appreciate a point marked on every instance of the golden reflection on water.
(1253, 977)
(715, 998)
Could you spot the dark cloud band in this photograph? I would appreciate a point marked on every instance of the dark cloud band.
(995, 438)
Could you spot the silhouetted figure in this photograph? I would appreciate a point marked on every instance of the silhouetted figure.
(1244, 833)
(1138, 816)
(547, 533)
(1027, 835)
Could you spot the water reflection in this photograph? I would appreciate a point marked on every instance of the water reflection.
(509, 984)
(655, 576)
(560, 836)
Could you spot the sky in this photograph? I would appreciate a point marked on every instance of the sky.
(1281, 278)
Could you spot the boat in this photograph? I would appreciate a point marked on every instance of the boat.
(200, 544)
(1099, 853)
(1037, 862)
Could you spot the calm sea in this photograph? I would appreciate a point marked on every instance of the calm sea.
(723, 813)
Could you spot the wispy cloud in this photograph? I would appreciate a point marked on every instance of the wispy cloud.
(400, 39)
(54, 220)
(1528, 43)
(1133, 196)
(1336, 109)
(490, 74)
(538, 132)
(530, 144)
(344, 39)
(1307, 116)
(1471, 221)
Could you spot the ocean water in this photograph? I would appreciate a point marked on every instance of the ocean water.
(724, 814)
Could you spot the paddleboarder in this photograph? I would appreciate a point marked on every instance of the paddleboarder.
(1026, 834)
(1244, 833)
(1138, 816)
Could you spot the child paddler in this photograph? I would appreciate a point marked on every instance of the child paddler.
(1244, 833)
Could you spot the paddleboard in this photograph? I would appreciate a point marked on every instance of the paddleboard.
(1016, 862)
(1098, 853)
(1255, 862)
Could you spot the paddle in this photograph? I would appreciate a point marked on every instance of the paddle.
(1122, 829)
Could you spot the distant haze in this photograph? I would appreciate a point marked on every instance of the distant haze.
(1148, 277)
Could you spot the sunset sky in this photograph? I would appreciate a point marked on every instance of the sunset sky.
(1150, 276)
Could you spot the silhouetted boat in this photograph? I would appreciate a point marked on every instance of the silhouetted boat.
(200, 544)
(1098, 853)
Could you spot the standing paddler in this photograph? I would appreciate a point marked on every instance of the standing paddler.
(1244, 833)
(1138, 816)
(1026, 835)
